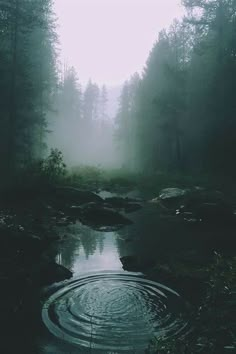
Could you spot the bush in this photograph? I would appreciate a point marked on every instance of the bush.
(49, 171)
(53, 167)
(214, 320)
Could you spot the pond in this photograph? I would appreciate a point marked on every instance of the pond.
(118, 299)
(104, 308)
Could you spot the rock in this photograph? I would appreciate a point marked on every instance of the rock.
(116, 202)
(119, 202)
(51, 272)
(74, 211)
(127, 204)
(195, 204)
(171, 198)
(155, 200)
(98, 216)
(131, 207)
(208, 207)
(172, 193)
(199, 196)
(73, 196)
(131, 263)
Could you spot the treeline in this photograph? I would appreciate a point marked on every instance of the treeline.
(81, 127)
(41, 107)
(28, 80)
(180, 115)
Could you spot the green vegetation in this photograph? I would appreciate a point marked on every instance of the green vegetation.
(179, 115)
(122, 180)
(53, 167)
(176, 119)
(175, 127)
(96, 178)
(40, 174)
(28, 82)
(213, 320)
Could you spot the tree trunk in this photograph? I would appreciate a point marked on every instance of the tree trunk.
(12, 99)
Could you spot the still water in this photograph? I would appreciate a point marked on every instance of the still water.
(104, 309)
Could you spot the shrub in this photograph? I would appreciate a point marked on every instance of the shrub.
(53, 167)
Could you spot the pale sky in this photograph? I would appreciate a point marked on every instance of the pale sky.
(109, 40)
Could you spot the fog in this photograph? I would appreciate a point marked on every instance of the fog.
(83, 125)
(109, 40)
(143, 84)
(117, 156)
(101, 45)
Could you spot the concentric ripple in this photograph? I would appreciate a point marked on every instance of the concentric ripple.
(113, 311)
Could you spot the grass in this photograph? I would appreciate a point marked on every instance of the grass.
(122, 181)
(53, 171)
(213, 319)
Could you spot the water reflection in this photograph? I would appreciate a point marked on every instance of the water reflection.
(151, 236)
(88, 250)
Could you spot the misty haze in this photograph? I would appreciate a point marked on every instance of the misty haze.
(117, 194)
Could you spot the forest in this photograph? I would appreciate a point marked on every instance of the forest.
(177, 116)
(180, 114)
(146, 186)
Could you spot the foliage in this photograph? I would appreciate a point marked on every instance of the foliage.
(91, 177)
(53, 167)
(86, 176)
(42, 173)
(183, 109)
(214, 321)
(28, 80)
(123, 180)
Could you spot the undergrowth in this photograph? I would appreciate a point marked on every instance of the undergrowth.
(214, 323)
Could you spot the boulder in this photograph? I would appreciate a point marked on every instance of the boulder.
(126, 204)
(72, 196)
(195, 203)
(98, 216)
(74, 211)
(51, 272)
(135, 264)
(172, 193)
(198, 196)
(171, 198)
(132, 207)
(207, 206)
(116, 202)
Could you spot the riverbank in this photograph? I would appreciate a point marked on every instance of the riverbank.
(30, 234)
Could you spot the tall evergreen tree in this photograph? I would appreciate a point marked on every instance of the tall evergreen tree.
(28, 62)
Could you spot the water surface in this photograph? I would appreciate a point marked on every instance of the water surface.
(105, 309)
